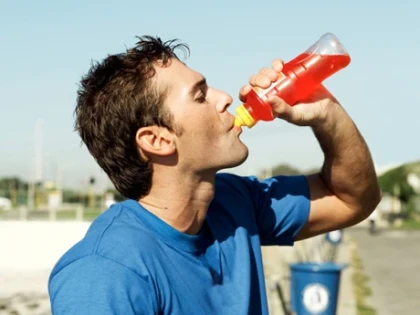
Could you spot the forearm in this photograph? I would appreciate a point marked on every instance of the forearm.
(348, 170)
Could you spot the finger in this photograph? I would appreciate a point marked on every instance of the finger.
(244, 92)
(277, 65)
(298, 114)
(269, 73)
(260, 80)
(281, 108)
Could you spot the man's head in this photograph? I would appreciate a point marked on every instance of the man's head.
(145, 108)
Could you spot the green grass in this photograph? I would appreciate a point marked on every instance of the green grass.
(360, 286)
(410, 224)
(365, 310)
(88, 214)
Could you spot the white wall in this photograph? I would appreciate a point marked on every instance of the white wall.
(29, 250)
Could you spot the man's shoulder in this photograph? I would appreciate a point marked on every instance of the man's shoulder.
(235, 195)
(250, 183)
(232, 189)
(112, 235)
(233, 183)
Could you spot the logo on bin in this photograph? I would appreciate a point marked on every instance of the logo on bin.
(315, 298)
(334, 236)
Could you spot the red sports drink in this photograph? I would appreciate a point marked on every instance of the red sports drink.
(298, 79)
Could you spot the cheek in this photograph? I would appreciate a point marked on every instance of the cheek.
(201, 125)
(206, 140)
(206, 136)
(202, 128)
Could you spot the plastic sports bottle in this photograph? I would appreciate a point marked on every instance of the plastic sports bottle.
(299, 77)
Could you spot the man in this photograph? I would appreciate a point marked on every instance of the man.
(372, 221)
(187, 241)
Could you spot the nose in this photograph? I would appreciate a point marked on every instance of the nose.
(225, 100)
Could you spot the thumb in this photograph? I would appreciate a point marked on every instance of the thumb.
(281, 109)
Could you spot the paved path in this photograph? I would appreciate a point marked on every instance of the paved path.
(392, 261)
(346, 299)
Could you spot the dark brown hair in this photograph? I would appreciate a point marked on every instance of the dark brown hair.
(116, 98)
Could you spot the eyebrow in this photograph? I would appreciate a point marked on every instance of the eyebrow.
(197, 86)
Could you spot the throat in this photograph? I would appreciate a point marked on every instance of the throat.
(187, 220)
(180, 200)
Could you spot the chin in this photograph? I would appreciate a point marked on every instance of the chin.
(237, 159)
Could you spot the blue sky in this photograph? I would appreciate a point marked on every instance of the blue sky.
(47, 45)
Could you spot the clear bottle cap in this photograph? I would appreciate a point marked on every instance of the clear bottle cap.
(327, 44)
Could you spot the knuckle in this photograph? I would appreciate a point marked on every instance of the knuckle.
(259, 79)
(264, 70)
(252, 79)
(277, 63)
(264, 81)
(244, 90)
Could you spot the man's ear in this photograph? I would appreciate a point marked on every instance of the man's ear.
(154, 140)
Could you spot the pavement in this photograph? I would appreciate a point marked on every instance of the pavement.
(391, 261)
(346, 298)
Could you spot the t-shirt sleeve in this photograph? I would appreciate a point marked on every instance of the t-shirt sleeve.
(98, 285)
(282, 205)
(279, 206)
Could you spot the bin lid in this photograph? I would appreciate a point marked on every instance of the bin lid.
(318, 267)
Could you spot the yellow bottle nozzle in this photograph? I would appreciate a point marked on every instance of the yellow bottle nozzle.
(243, 117)
(238, 122)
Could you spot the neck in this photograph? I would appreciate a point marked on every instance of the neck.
(181, 200)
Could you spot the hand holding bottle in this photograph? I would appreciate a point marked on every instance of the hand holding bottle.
(295, 82)
(310, 111)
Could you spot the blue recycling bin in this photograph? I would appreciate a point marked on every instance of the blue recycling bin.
(314, 287)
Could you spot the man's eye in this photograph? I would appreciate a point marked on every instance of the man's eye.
(201, 98)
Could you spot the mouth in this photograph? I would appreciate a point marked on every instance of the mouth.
(236, 129)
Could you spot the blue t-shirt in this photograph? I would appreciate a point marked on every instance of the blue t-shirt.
(131, 262)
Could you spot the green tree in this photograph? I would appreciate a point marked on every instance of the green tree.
(285, 169)
(394, 182)
(117, 195)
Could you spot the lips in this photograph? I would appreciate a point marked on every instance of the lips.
(236, 129)
(232, 123)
